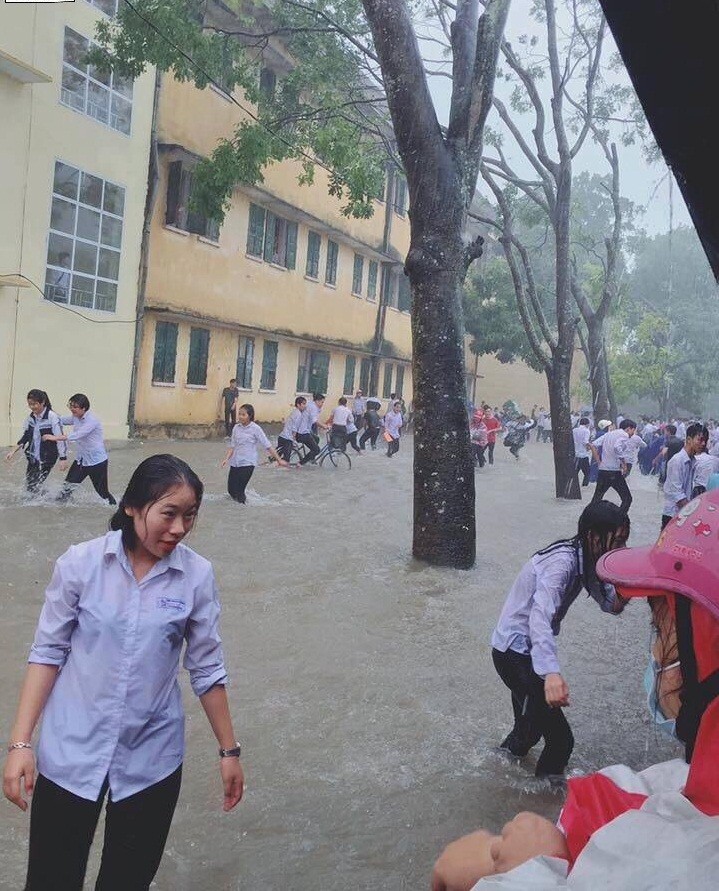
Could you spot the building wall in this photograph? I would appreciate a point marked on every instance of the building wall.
(43, 344)
(196, 281)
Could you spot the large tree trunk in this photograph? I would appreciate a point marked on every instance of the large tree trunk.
(565, 476)
(598, 371)
(444, 524)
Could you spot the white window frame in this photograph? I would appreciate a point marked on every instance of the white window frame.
(66, 292)
(82, 102)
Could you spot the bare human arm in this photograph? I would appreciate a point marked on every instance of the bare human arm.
(20, 763)
(217, 709)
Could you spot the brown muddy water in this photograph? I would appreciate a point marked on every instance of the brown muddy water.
(362, 687)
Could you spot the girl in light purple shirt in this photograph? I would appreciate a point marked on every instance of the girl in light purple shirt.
(103, 675)
(241, 455)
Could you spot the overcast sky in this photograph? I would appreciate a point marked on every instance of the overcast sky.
(646, 185)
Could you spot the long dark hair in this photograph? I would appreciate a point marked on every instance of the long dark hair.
(602, 519)
(151, 479)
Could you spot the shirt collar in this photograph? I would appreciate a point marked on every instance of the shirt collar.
(114, 547)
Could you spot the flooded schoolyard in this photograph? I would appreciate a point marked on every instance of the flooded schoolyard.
(362, 686)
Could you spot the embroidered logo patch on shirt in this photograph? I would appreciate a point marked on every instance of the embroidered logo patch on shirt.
(169, 603)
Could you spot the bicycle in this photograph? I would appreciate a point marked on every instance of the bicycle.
(336, 458)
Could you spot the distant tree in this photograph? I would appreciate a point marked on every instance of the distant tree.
(663, 340)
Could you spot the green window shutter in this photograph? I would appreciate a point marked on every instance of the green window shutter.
(357, 274)
(365, 369)
(372, 281)
(174, 179)
(199, 352)
(387, 383)
(349, 382)
(256, 231)
(404, 293)
(291, 247)
(163, 366)
(399, 382)
(269, 365)
(319, 371)
(270, 236)
(245, 357)
(312, 267)
(302, 371)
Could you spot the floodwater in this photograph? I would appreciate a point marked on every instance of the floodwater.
(362, 686)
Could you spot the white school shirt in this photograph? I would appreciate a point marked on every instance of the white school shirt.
(341, 415)
(310, 416)
(359, 405)
(244, 443)
(679, 482)
(87, 435)
(681, 430)
(632, 448)
(547, 585)
(292, 424)
(705, 466)
(392, 423)
(613, 445)
(581, 436)
(116, 709)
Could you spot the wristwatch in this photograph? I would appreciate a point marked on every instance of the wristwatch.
(231, 753)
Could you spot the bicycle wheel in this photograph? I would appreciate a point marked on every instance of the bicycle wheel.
(295, 455)
(337, 460)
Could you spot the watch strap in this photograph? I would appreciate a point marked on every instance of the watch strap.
(234, 752)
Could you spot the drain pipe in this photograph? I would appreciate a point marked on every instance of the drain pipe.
(153, 179)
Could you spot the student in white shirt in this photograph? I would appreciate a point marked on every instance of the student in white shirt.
(524, 648)
(679, 482)
(41, 455)
(339, 419)
(581, 434)
(392, 426)
(613, 464)
(293, 425)
(246, 438)
(103, 674)
(90, 456)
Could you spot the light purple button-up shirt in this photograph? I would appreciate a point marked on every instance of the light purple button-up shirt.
(87, 435)
(116, 710)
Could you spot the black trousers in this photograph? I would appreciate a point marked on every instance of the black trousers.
(98, 477)
(36, 473)
(612, 479)
(311, 443)
(666, 519)
(284, 447)
(582, 465)
(490, 452)
(392, 447)
(533, 718)
(479, 451)
(230, 419)
(371, 435)
(352, 440)
(338, 436)
(62, 826)
(237, 480)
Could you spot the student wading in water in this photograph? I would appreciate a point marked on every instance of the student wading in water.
(524, 649)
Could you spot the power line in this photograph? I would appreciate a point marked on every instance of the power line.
(74, 311)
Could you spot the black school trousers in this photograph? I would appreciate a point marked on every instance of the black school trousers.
(62, 826)
(612, 479)
(533, 718)
(98, 477)
(237, 480)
